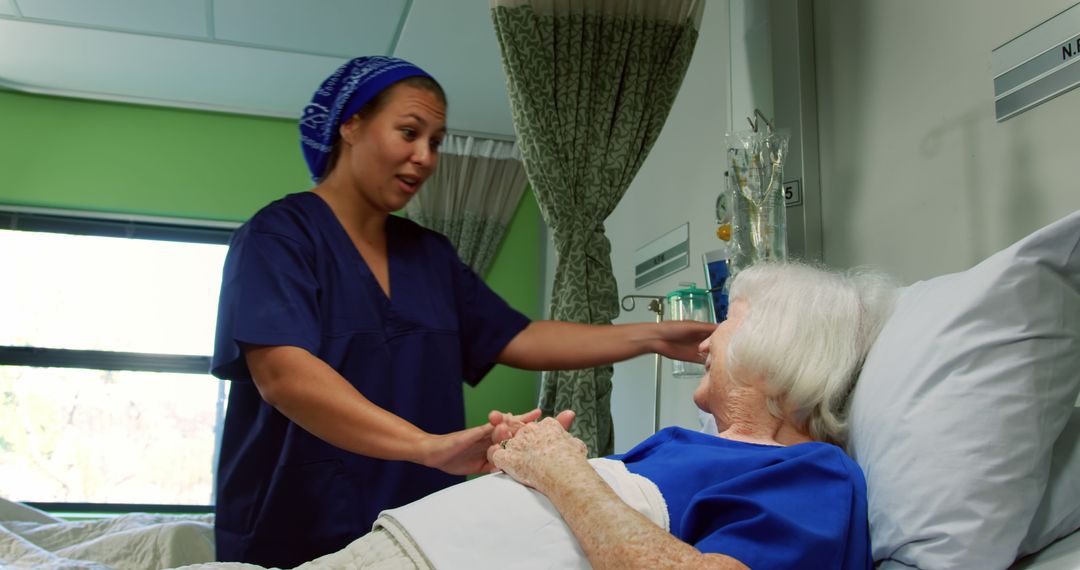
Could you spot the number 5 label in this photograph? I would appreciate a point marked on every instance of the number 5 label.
(792, 193)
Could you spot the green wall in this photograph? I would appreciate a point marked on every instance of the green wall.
(515, 275)
(88, 155)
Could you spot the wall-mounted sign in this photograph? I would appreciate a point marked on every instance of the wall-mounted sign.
(662, 256)
(1038, 65)
(792, 193)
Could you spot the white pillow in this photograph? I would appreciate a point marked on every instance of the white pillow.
(961, 400)
(1059, 511)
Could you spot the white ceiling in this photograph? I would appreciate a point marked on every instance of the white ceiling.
(259, 57)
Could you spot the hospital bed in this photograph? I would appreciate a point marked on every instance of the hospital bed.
(30, 538)
(145, 541)
(964, 421)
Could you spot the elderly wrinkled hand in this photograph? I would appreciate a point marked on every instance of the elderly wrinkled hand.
(539, 452)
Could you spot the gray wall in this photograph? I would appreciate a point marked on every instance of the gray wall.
(917, 178)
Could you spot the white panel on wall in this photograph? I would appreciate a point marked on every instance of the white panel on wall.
(169, 17)
(1038, 65)
(7, 8)
(1031, 42)
(662, 256)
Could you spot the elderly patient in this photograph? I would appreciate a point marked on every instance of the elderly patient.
(772, 490)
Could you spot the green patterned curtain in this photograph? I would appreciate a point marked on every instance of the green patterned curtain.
(471, 196)
(591, 84)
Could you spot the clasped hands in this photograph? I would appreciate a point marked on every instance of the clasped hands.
(531, 451)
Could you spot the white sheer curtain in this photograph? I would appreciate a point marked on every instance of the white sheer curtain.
(471, 196)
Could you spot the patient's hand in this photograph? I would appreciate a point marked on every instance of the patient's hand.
(541, 454)
(467, 452)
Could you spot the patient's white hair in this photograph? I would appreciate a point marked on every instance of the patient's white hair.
(807, 331)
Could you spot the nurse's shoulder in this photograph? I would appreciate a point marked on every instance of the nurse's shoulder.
(296, 217)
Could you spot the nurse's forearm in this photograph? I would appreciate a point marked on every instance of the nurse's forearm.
(314, 396)
(557, 345)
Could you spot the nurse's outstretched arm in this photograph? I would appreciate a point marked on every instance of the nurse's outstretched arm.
(558, 345)
(314, 396)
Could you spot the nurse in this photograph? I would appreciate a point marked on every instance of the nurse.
(347, 332)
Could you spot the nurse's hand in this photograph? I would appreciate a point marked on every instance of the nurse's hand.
(506, 424)
(461, 452)
(679, 340)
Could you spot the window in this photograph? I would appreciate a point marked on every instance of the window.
(106, 331)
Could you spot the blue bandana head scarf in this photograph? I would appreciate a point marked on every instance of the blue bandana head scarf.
(340, 97)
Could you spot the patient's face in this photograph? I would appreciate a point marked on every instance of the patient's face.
(711, 391)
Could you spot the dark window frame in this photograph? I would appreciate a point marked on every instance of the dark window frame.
(115, 225)
(104, 224)
(115, 508)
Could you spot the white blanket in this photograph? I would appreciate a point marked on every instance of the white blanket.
(490, 521)
(494, 521)
(136, 542)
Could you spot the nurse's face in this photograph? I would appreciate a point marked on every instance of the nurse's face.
(392, 152)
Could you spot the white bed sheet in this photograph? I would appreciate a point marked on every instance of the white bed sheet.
(32, 539)
(1061, 555)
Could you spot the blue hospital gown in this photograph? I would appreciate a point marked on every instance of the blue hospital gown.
(770, 507)
(293, 277)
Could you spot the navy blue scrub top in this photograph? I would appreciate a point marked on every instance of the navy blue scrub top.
(293, 277)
